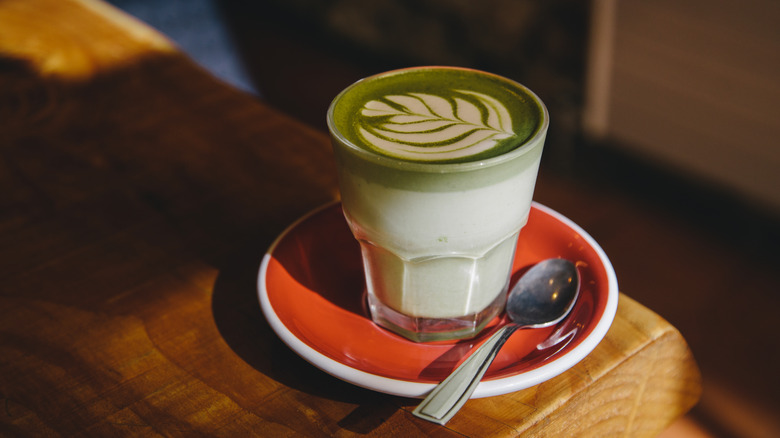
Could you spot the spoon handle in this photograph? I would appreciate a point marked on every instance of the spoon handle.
(448, 397)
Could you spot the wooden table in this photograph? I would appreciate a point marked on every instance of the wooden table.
(137, 197)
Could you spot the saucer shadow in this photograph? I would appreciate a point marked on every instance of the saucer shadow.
(242, 325)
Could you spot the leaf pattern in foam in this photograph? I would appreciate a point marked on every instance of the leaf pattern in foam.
(454, 128)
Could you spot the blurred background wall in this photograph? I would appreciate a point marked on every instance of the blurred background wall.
(691, 84)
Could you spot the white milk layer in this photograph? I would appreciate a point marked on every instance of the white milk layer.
(439, 254)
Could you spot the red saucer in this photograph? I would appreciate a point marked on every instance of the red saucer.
(311, 290)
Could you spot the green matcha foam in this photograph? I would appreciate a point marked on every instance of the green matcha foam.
(437, 115)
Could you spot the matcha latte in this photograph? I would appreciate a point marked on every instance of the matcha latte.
(437, 168)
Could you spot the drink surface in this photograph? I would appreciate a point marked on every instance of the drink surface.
(435, 114)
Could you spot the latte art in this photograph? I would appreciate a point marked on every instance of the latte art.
(437, 115)
(427, 127)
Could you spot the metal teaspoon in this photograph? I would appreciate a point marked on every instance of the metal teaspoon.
(542, 297)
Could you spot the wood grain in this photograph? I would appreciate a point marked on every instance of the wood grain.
(137, 196)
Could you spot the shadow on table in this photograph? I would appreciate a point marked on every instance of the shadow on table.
(241, 323)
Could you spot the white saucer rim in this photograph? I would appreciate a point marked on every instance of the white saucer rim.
(404, 388)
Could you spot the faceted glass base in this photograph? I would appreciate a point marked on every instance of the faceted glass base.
(434, 329)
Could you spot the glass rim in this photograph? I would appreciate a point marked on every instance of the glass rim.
(439, 167)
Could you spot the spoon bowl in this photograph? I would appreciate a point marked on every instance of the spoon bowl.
(542, 297)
